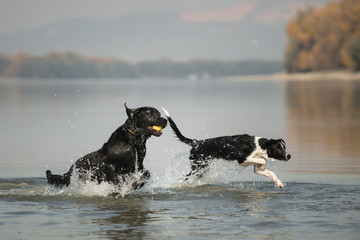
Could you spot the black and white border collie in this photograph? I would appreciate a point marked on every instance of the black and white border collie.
(244, 149)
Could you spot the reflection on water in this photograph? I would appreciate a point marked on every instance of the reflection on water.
(323, 120)
(123, 220)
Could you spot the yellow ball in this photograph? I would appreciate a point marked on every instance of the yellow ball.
(157, 128)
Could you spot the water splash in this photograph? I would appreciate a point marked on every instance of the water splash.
(170, 181)
(91, 188)
(220, 172)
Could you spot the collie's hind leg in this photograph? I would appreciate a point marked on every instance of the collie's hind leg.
(198, 168)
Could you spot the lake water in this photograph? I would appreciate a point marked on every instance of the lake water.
(50, 124)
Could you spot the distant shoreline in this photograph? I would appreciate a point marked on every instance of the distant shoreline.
(309, 76)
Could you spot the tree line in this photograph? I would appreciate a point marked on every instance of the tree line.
(324, 39)
(71, 65)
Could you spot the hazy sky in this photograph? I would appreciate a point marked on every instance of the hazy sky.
(261, 19)
(16, 15)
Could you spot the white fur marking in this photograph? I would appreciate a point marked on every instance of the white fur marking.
(258, 151)
(283, 145)
(258, 156)
(166, 112)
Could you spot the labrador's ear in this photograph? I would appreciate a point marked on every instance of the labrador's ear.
(130, 111)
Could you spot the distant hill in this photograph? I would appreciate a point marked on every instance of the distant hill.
(250, 30)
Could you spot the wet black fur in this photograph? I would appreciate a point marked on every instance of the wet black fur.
(121, 155)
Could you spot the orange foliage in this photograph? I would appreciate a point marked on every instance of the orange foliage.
(324, 39)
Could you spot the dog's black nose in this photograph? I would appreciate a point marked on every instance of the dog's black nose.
(288, 156)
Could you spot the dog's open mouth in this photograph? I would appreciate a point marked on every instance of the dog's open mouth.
(156, 130)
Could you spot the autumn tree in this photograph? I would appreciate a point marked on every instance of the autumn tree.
(324, 39)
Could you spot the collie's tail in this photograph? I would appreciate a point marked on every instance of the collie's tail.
(188, 141)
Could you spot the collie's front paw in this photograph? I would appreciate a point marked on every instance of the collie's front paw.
(279, 184)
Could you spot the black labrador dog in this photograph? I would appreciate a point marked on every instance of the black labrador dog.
(122, 155)
(244, 149)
